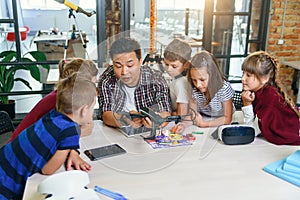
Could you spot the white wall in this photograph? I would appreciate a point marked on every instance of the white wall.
(139, 10)
(38, 19)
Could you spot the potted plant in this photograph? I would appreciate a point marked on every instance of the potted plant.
(7, 73)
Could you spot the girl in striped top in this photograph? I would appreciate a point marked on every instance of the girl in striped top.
(212, 94)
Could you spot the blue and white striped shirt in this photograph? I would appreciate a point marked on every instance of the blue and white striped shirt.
(32, 149)
(215, 107)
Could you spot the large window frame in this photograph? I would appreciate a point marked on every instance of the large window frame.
(52, 4)
(259, 43)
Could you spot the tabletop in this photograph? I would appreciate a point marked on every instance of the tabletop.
(208, 169)
(52, 37)
(294, 64)
(60, 36)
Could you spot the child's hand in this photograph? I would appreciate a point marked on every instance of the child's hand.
(76, 162)
(199, 120)
(247, 97)
(178, 128)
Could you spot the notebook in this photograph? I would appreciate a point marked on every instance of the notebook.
(279, 168)
(128, 131)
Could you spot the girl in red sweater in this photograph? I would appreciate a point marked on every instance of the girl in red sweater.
(278, 117)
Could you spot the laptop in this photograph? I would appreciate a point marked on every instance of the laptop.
(128, 131)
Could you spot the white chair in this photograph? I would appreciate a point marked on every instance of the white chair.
(68, 185)
(11, 37)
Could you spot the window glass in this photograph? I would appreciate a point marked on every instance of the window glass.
(241, 5)
(29, 4)
(180, 4)
(52, 4)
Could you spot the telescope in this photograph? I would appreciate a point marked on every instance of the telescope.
(72, 6)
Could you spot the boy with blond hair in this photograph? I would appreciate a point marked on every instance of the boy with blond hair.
(45, 146)
(66, 68)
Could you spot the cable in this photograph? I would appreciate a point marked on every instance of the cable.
(283, 19)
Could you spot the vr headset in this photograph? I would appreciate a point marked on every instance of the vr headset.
(236, 134)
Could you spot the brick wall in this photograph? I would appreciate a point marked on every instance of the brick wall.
(290, 49)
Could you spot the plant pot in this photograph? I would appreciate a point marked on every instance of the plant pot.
(43, 74)
(9, 108)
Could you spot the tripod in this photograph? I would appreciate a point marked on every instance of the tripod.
(71, 14)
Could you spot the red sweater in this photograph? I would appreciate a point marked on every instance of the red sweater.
(277, 121)
(40, 109)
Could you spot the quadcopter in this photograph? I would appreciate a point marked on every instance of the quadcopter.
(156, 119)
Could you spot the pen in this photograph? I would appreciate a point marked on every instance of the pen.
(109, 193)
(197, 132)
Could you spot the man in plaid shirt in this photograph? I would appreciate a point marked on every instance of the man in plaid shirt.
(127, 86)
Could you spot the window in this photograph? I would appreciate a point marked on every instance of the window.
(52, 4)
(179, 4)
(230, 29)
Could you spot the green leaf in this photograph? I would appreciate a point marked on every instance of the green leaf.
(9, 84)
(34, 70)
(25, 82)
(7, 72)
(5, 54)
(39, 56)
(12, 70)
(4, 99)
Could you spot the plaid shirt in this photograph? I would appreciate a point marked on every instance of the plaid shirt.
(151, 91)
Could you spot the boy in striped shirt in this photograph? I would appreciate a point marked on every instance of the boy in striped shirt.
(45, 146)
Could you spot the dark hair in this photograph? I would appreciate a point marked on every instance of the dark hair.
(125, 45)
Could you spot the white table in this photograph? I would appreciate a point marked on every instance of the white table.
(295, 65)
(205, 170)
(53, 45)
